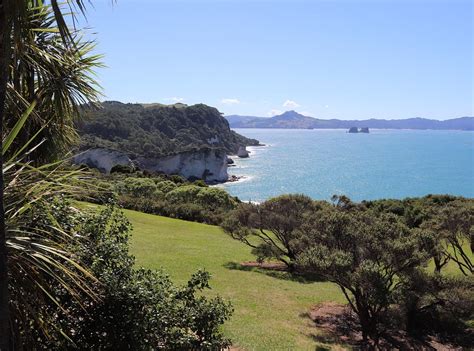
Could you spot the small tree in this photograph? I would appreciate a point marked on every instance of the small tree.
(454, 224)
(272, 229)
(364, 255)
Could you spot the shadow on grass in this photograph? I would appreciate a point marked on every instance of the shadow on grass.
(275, 273)
(337, 324)
(322, 348)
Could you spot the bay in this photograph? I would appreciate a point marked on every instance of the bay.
(382, 164)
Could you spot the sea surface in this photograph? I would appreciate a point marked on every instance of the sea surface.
(382, 164)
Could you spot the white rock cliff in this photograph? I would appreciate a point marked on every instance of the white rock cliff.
(102, 159)
(207, 164)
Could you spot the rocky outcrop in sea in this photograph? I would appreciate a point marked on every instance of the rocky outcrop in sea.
(359, 130)
(242, 153)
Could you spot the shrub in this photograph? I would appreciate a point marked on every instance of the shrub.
(138, 309)
(214, 199)
(166, 186)
(139, 187)
(182, 194)
(122, 169)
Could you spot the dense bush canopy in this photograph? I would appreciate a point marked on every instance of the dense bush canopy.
(170, 196)
(156, 130)
(377, 252)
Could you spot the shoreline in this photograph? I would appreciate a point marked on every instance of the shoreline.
(233, 179)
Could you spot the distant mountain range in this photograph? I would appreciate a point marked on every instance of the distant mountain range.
(295, 120)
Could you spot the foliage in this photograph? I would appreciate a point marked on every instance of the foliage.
(455, 224)
(365, 256)
(156, 130)
(169, 196)
(138, 309)
(272, 229)
(269, 305)
(40, 253)
(450, 219)
(37, 51)
(434, 303)
(56, 76)
(374, 251)
(39, 248)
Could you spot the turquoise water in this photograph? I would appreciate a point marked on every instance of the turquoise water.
(382, 164)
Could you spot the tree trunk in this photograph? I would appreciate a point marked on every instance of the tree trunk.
(368, 325)
(437, 262)
(5, 29)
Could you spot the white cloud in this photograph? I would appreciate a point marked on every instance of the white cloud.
(274, 112)
(229, 101)
(291, 104)
(306, 113)
(175, 99)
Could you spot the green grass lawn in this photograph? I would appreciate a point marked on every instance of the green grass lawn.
(269, 307)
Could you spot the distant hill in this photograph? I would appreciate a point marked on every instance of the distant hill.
(154, 130)
(295, 120)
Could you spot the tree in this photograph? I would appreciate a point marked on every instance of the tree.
(365, 255)
(272, 229)
(13, 14)
(454, 224)
(435, 303)
(57, 77)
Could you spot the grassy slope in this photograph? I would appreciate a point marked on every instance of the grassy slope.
(269, 310)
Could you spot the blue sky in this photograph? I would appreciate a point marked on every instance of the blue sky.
(327, 59)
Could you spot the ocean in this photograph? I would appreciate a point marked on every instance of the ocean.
(382, 164)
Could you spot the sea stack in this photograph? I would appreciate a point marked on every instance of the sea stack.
(242, 153)
(359, 130)
(353, 130)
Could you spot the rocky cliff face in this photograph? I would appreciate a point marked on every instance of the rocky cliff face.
(207, 164)
(102, 159)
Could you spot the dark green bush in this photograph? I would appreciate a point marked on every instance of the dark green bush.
(137, 309)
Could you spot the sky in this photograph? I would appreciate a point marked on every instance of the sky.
(342, 59)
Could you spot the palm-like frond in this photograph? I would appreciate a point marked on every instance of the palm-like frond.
(36, 255)
(40, 255)
(60, 77)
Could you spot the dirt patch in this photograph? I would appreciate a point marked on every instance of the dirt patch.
(337, 320)
(274, 266)
(338, 323)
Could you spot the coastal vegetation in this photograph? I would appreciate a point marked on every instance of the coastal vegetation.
(170, 196)
(68, 275)
(36, 48)
(156, 130)
(67, 280)
(377, 253)
(270, 306)
(273, 308)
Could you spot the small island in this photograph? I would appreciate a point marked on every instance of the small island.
(358, 130)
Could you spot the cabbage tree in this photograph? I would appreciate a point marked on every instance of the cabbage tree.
(15, 17)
